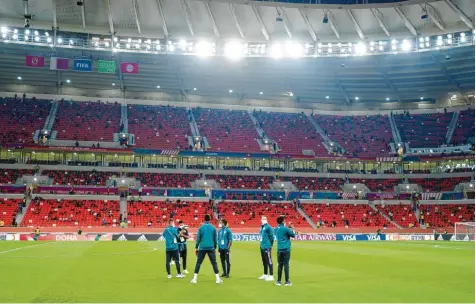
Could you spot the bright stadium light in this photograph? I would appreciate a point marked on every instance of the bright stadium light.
(380, 47)
(4, 29)
(71, 42)
(115, 39)
(47, 34)
(36, 33)
(360, 48)
(19, 77)
(137, 45)
(261, 93)
(26, 38)
(230, 91)
(394, 41)
(204, 49)
(387, 99)
(15, 36)
(327, 97)
(422, 45)
(15, 31)
(427, 39)
(357, 98)
(294, 49)
(183, 44)
(48, 39)
(406, 45)
(171, 48)
(158, 87)
(421, 98)
(421, 39)
(234, 50)
(129, 40)
(113, 84)
(37, 38)
(68, 81)
(128, 45)
(427, 44)
(106, 44)
(291, 94)
(463, 37)
(449, 40)
(4, 35)
(27, 32)
(439, 42)
(275, 51)
(194, 89)
(60, 40)
(394, 47)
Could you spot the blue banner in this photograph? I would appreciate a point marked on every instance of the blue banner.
(248, 237)
(360, 237)
(83, 65)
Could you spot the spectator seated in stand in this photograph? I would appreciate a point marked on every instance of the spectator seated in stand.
(74, 178)
(316, 183)
(439, 184)
(242, 182)
(164, 180)
(10, 176)
(376, 185)
(401, 214)
(445, 216)
(464, 128)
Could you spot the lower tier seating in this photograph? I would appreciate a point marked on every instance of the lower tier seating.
(8, 210)
(401, 214)
(442, 216)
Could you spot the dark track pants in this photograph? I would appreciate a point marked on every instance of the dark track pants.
(183, 255)
(267, 261)
(225, 260)
(172, 255)
(201, 256)
(283, 260)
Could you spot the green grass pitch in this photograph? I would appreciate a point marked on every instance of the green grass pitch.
(320, 272)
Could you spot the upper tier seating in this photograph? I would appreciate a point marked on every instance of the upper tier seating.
(165, 180)
(249, 214)
(10, 176)
(423, 130)
(316, 183)
(159, 127)
(442, 216)
(356, 215)
(85, 213)
(239, 182)
(440, 184)
(401, 214)
(464, 128)
(292, 132)
(73, 178)
(227, 130)
(191, 213)
(19, 119)
(375, 185)
(8, 210)
(87, 121)
(362, 136)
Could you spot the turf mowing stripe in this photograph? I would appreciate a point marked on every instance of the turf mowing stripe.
(24, 247)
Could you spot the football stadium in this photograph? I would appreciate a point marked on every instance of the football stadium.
(237, 151)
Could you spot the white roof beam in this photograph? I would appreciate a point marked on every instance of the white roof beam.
(83, 15)
(433, 14)
(460, 13)
(212, 19)
(378, 16)
(407, 22)
(331, 19)
(263, 27)
(188, 16)
(162, 16)
(237, 20)
(55, 23)
(308, 24)
(356, 25)
(136, 13)
(287, 25)
(111, 24)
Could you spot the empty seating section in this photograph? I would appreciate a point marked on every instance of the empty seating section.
(19, 119)
(292, 132)
(316, 183)
(363, 136)
(87, 121)
(356, 215)
(165, 180)
(375, 185)
(440, 184)
(423, 130)
(238, 182)
(48, 213)
(227, 130)
(93, 178)
(159, 127)
(401, 214)
(139, 214)
(8, 210)
(442, 216)
(249, 214)
(10, 176)
(464, 128)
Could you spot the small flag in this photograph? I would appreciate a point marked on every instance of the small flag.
(35, 61)
(105, 66)
(130, 68)
(83, 65)
(59, 63)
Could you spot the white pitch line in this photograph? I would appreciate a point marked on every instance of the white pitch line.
(25, 247)
(70, 256)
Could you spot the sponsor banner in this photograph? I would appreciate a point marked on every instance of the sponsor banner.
(83, 65)
(66, 237)
(410, 237)
(34, 61)
(105, 66)
(360, 237)
(59, 63)
(137, 237)
(130, 68)
(9, 237)
(250, 237)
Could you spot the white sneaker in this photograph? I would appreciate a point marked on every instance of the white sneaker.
(269, 279)
(180, 276)
(278, 283)
(185, 271)
(172, 263)
(169, 276)
(263, 277)
(219, 281)
(288, 284)
(193, 281)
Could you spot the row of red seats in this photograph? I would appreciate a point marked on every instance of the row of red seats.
(8, 210)
(95, 178)
(440, 184)
(375, 185)
(464, 128)
(441, 216)
(9, 176)
(316, 183)
(238, 182)
(168, 180)
(401, 214)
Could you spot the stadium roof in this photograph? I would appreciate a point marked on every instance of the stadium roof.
(251, 21)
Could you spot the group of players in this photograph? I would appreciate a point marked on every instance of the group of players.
(208, 240)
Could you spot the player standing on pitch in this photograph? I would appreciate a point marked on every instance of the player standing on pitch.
(283, 237)
(206, 244)
(225, 238)
(171, 249)
(182, 245)
(266, 247)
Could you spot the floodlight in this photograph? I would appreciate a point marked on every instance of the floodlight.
(234, 50)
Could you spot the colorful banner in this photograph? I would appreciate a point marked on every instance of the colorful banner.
(59, 63)
(83, 65)
(360, 237)
(66, 237)
(34, 61)
(9, 236)
(130, 68)
(105, 66)
(409, 237)
(250, 237)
